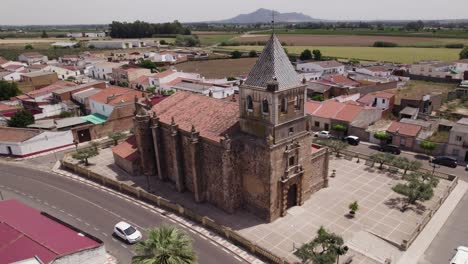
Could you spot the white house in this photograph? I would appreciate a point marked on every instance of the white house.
(461, 65)
(103, 70)
(94, 34)
(106, 100)
(436, 69)
(322, 67)
(165, 77)
(375, 71)
(21, 142)
(458, 141)
(169, 57)
(32, 58)
(64, 71)
(75, 35)
(117, 44)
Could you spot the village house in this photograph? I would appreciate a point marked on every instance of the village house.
(321, 68)
(218, 91)
(116, 44)
(458, 141)
(254, 154)
(163, 79)
(126, 156)
(103, 70)
(382, 100)
(424, 105)
(168, 57)
(128, 73)
(69, 59)
(65, 71)
(106, 100)
(404, 134)
(375, 71)
(32, 58)
(9, 109)
(22, 142)
(436, 69)
(82, 99)
(38, 79)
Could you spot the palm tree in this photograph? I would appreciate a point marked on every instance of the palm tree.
(165, 245)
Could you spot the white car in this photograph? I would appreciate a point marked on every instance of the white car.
(461, 257)
(127, 232)
(323, 134)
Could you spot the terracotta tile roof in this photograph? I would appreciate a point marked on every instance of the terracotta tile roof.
(367, 99)
(10, 134)
(32, 55)
(114, 95)
(48, 89)
(211, 117)
(127, 150)
(6, 107)
(341, 79)
(328, 109)
(377, 69)
(163, 74)
(3, 60)
(37, 66)
(385, 95)
(141, 80)
(348, 113)
(328, 64)
(404, 129)
(13, 67)
(312, 106)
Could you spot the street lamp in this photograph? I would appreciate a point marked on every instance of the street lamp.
(341, 251)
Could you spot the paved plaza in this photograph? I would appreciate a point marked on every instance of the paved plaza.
(373, 235)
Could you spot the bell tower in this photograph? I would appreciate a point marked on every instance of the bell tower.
(272, 99)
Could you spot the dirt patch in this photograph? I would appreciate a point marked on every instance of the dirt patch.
(415, 89)
(219, 68)
(348, 40)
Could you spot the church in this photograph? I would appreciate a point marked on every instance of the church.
(253, 153)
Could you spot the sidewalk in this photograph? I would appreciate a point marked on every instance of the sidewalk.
(425, 238)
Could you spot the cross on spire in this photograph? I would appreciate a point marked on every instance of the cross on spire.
(273, 20)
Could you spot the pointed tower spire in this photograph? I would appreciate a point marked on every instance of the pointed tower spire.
(273, 62)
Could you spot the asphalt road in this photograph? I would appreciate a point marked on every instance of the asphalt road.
(95, 211)
(372, 149)
(454, 233)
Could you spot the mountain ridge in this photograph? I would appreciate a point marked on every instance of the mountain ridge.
(265, 16)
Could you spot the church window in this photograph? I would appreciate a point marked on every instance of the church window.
(291, 131)
(283, 105)
(291, 161)
(265, 107)
(297, 104)
(249, 103)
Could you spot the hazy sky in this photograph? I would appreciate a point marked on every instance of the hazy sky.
(104, 11)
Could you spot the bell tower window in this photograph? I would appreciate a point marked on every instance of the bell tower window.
(265, 106)
(283, 105)
(249, 103)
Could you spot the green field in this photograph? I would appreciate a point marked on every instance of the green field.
(446, 33)
(207, 40)
(400, 55)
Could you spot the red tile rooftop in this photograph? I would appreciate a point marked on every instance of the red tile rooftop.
(404, 129)
(127, 150)
(26, 232)
(211, 117)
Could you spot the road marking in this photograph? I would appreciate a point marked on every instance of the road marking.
(39, 200)
(53, 206)
(78, 219)
(123, 245)
(104, 234)
(70, 215)
(97, 229)
(213, 243)
(225, 250)
(236, 257)
(62, 211)
(87, 224)
(115, 240)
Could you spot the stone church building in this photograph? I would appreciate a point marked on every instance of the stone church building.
(255, 153)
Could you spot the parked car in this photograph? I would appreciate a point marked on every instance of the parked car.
(461, 257)
(391, 148)
(127, 232)
(352, 140)
(446, 161)
(323, 134)
(466, 167)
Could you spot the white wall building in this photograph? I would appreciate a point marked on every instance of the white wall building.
(102, 70)
(461, 65)
(65, 71)
(375, 71)
(162, 78)
(22, 142)
(322, 67)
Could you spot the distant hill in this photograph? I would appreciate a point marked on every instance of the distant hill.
(265, 16)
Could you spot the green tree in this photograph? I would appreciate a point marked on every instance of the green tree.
(382, 158)
(116, 136)
(65, 114)
(306, 55)
(147, 64)
(165, 245)
(406, 165)
(28, 47)
(94, 145)
(151, 89)
(44, 34)
(84, 154)
(317, 55)
(382, 136)
(21, 118)
(334, 144)
(252, 54)
(353, 207)
(419, 187)
(163, 42)
(427, 146)
(324, 249)
(340, 128)
(317, 97)
(236, 54)
(464, 53)
(8, 90)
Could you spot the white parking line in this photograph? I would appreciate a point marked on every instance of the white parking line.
(104, 234)
(78, 219)
(123, 245)
(70, 215)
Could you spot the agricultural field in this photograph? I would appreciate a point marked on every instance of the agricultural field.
(446, 33)
(415, 89)
(352, 40)
(219, 68)
(212, 39)
(398, 54)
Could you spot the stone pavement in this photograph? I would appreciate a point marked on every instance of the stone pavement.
(379, 224)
